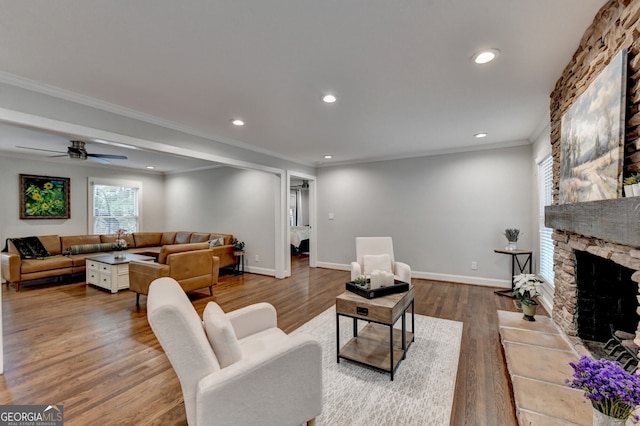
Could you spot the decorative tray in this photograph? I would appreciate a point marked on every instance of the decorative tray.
(398, 287)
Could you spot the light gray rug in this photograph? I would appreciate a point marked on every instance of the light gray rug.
(423, 386)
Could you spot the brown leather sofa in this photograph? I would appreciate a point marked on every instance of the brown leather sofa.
(194, 266)
(60, 262)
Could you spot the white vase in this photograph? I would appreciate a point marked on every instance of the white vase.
(628, 191)
(636, 189)
(512, 245)
(601, 419)
(120, 255)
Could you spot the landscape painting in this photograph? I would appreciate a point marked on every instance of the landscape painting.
(592, 138)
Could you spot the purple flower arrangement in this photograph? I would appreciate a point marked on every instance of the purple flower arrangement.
(611, 389)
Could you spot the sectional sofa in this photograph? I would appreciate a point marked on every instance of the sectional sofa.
(66, 255)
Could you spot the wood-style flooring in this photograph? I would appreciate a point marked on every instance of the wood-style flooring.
(94, 352)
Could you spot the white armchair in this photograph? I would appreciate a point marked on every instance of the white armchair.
(236, 368)
(377, 253)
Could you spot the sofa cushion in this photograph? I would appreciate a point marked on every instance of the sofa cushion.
(177, 248)
(380, 262)
(89, 248)
(168, 238)
(67, 241)
(198, 237)
(51, 243)
(38, 265)
(29, 247)
(147, 239)
(182, 237)
(221, 335)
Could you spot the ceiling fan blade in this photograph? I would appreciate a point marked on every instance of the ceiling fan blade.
(98, 160)
(39, 149)
(112, 156)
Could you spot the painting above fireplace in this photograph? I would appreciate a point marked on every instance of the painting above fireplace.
(592, 137)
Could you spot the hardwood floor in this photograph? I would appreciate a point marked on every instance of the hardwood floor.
(94, 352)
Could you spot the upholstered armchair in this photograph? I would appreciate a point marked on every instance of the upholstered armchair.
(236, 368)
(376, 253)
(193, 265)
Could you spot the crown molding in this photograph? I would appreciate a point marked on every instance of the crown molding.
(67, 95)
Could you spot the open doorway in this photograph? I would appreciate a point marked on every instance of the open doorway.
(301, 218)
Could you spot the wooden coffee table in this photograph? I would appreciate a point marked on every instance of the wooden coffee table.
(105, 271)
(376, 345)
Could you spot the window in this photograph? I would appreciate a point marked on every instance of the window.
(545, 168)
(114, 204)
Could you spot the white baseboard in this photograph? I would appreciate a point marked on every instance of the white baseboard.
(260, 271)
(462, 279)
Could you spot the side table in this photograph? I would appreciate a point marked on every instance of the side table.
(525, 255)
(239, 269)
(376, 345)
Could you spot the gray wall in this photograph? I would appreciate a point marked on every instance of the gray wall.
(153, 204)
(228, 200)
(443, 211)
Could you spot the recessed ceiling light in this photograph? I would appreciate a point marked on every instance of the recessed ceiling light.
(151, 167)
(237, 122)
(329, 99)
(480, 135)
(485, 56)
(328, 157)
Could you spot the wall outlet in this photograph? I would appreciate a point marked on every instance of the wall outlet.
(474, 265)
(257, 258)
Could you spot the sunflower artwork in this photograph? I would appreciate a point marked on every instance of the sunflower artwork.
(44, 197)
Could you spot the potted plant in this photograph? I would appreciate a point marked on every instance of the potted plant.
(238, 245)
(512, 235)
(635, 186)
(525, 288)
(629, 190)
(120, 243)
(614, 392)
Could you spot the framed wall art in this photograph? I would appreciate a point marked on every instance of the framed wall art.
(592, 138)
(44, 197)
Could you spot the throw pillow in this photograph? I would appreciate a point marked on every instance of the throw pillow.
(381, 262)
(30, 248)
(221, 335)
(216, 242)
(89, 248)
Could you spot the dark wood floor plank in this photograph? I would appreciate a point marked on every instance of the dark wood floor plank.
(94, 352)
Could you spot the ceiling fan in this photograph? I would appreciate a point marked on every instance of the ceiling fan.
(78, 151)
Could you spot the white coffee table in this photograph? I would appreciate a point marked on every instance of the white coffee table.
(105, 271)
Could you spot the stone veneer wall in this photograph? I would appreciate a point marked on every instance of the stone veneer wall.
(616, 26)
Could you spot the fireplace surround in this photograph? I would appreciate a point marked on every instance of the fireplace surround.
(608, 229)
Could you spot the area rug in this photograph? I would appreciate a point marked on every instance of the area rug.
(421, 392)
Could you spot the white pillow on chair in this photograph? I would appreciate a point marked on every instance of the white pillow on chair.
(381, 262)
(221, 335)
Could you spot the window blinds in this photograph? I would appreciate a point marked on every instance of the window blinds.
(546, 198)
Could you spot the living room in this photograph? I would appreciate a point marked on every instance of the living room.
(434, 205)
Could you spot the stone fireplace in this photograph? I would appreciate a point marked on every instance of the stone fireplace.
(606, 231)
(597, 267)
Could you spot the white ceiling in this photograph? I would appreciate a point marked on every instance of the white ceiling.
(401, 69)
